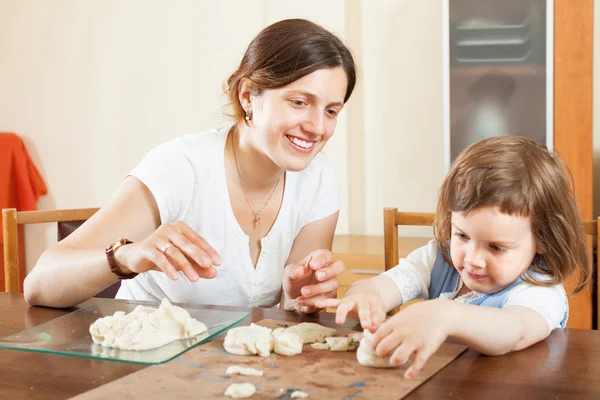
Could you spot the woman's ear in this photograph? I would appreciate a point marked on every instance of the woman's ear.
(244, 95)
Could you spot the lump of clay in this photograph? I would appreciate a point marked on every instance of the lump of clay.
(146, 327)
(298, 394)
(245, 371)
(311, 332)
(320, 346)
(240, 390)
(355, 337)
(288, 343)
(249, 340)
(340, 343)
(368, 357)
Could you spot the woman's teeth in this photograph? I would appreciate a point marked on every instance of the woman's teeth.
(300, 142)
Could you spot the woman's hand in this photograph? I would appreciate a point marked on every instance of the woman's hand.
(188, 252)
(311, 280)
(368, 308)
(419, 330)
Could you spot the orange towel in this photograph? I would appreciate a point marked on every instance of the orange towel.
(21, 185)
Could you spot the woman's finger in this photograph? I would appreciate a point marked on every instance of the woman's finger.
(160, 260)
(319, 258)
(195, 254)
(199, 241)
(330, 271)
(320, 288)
(181, 263)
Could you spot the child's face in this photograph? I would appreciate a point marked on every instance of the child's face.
(489, 249)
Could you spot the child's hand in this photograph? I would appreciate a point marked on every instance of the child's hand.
(419, 329)
(368, 307)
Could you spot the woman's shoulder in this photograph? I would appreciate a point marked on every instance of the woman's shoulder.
(200, 142)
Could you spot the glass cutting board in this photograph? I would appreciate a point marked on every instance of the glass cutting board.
(69, 334)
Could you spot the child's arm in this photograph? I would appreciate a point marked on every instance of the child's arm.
(495, 331)
(420, 329)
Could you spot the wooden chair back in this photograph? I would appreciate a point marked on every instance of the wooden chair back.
(67, 221)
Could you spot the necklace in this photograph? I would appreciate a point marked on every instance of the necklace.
(255, 211)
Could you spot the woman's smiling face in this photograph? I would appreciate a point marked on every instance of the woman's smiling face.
(293, 123)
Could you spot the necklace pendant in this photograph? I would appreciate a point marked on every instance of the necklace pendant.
(256, 220)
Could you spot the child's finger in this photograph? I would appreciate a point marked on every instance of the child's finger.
(383, 331)
(328, 303)
(343, 309)
(402, 354)
(421, 358)
(377, 312)
(364, 314)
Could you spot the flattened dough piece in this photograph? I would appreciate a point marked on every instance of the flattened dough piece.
(368, 357)
(311, 332)
(245, 371)
(145, 327)
(240, 390)
(249, 340)
(288, 344)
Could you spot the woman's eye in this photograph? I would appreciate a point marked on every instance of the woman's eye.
(299, 103)
(332, 113)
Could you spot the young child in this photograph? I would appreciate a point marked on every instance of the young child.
(507, 235)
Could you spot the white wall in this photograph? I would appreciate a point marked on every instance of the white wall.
(92, 86)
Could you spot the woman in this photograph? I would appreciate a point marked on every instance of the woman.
(213, 217)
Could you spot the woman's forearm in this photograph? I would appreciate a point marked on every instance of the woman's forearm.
(64, 277)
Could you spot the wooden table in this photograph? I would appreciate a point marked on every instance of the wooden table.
(566, 365)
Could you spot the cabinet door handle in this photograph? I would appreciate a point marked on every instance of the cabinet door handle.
(365, 272)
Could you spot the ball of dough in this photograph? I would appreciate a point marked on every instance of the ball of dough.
(240, 390)
(368, 357)
(249, 340)
(288, 344)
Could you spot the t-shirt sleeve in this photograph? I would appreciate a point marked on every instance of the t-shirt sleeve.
(550, 302)
(169, 175)
(325, 200)
(413, 274)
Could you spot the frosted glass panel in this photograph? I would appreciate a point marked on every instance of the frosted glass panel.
(498, 75)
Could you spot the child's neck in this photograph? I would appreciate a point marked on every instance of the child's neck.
(463, 290)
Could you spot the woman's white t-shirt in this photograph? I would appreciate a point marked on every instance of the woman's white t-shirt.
(187, 178)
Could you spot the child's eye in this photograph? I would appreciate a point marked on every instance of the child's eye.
(497, 248)
(461, 236)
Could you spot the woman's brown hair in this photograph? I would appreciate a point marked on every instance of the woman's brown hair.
(521, 177)
(285, 52)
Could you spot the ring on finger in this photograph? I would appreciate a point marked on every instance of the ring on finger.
(163, 249)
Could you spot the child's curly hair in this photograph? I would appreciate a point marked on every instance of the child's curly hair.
(521, 177)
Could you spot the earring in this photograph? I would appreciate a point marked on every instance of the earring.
(248, 116)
